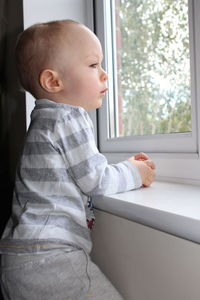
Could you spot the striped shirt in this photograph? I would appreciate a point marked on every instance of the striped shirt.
(59, 171)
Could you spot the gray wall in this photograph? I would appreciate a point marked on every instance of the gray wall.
(144, 263)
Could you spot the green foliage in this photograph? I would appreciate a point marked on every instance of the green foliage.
(154, 71)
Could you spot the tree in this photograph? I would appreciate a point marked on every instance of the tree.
(154, 66)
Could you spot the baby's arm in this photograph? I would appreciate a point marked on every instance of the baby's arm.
(90, 169)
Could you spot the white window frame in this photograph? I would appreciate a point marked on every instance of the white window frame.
(176, 155)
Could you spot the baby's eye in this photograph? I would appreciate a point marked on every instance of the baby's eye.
(94, 65)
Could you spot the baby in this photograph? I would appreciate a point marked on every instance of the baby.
(46, 243)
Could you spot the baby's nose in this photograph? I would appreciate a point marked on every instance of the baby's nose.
(104, 75)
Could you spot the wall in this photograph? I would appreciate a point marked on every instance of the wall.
(46, 10)
(12, 103)
(143, 263)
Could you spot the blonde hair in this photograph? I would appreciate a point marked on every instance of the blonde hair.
(36, 50)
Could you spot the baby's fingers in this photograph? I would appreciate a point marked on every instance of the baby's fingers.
(150, 177)
(141, 156)
(150, 164)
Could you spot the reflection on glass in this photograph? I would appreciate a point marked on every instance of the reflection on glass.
(153, 67)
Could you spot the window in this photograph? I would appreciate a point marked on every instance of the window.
(153, 67)
(151, 56)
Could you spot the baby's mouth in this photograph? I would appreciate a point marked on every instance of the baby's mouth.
(104, 91)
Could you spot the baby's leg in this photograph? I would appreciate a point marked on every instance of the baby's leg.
(54, 276)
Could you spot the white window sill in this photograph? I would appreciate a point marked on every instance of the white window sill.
(170, 207)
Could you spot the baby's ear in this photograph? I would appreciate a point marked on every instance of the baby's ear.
(50, 81)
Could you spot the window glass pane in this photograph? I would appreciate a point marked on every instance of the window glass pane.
(153, 67)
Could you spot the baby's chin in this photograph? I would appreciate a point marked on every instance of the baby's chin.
(93, 107)
(99, 103)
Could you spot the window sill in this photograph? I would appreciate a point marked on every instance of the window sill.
(172, 167)
(170, 207)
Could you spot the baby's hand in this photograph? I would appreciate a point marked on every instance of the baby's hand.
(145, 166)
(140, 156)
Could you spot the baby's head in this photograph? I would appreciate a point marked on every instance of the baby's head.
(38, 49)
(51, 58)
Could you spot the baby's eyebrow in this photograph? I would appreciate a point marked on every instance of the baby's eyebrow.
(99, 57)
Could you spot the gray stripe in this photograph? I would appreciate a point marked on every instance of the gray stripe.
(87, 166)
(44, 175)
(75, 140)
(39, 148)
(50, 107)
(49, 123)
(44, 103)
(43, 124)
(63, 221)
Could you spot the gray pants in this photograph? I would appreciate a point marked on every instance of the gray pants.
(54, 276)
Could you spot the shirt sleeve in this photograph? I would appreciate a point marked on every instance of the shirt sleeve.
(87, 166)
